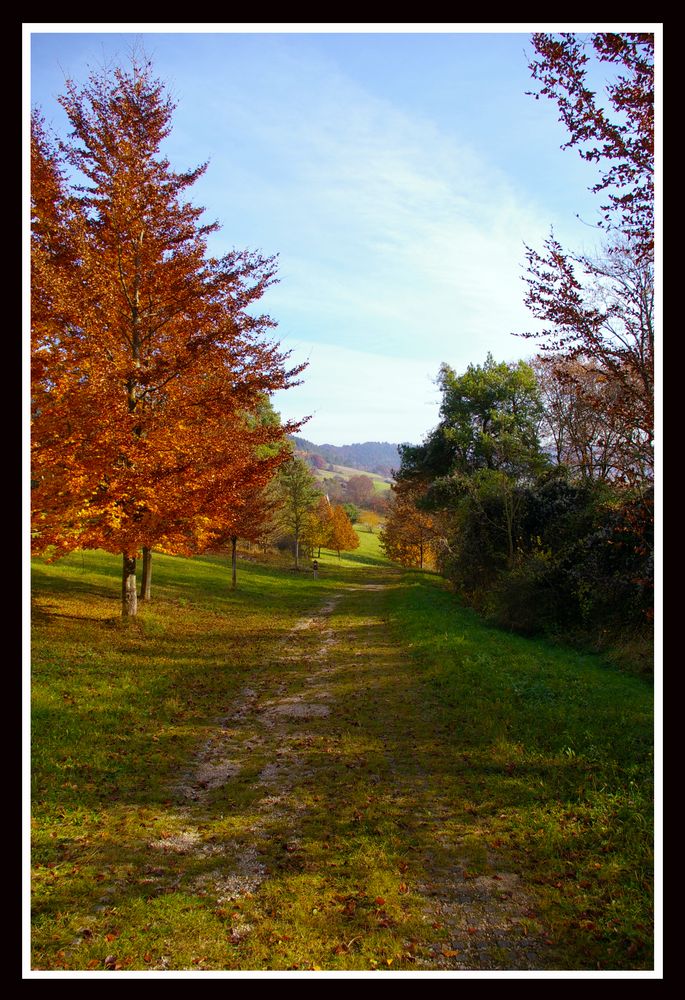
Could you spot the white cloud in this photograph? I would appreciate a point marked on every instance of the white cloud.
(355, 396)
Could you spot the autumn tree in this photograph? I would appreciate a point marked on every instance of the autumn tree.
(141, 386)
(598, 310)
(341, 535)
(316, 461)
(318, 524)
(616, 133)
(240, 501)
(248, 518)
(360, 490)
(409, 535)
(582, 426)
(601, 334)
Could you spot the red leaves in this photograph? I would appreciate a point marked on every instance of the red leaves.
(602, 326)
(626, 142)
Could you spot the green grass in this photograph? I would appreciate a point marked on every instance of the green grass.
(556, 749)
(449, 744)
(380, 484)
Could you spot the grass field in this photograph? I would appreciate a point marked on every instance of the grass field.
(342, 772)
(380, 484)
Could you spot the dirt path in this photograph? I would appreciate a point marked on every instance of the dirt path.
(330, 746)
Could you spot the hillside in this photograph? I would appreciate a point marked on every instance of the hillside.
(380, 457)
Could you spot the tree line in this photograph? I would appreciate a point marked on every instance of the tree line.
(534, 494)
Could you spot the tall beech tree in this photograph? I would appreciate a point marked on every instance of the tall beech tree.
(247, 513)
(247, 519)
(153, 352)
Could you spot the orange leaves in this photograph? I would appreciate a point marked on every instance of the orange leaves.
(341, 535)
(149, 375)
(409, 533)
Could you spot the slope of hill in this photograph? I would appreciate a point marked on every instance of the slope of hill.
(380, 457)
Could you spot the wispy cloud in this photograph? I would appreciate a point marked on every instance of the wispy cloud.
(394, 236)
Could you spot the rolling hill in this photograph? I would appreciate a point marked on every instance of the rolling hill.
(379, 457)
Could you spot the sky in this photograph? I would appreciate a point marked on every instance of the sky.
(398, 174)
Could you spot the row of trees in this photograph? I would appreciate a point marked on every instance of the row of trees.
(289, 513)
(152, 366)
(534, 494)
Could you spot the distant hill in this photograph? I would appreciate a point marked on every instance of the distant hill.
(380, 457)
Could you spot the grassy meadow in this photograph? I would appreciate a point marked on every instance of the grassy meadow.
(378, 745)
(380, 484)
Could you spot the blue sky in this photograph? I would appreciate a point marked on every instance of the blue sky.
(397, 174)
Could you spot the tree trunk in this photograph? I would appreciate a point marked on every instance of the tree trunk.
(234, 561)
(146, 578)
(510, 513)
(129, 596)
(297, 552)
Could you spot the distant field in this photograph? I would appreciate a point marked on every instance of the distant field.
(379, 482)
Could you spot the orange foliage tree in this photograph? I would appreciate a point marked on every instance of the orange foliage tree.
(248, 513)
(148, 354)
(409, 535)
(341, 535)
(318, 525)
